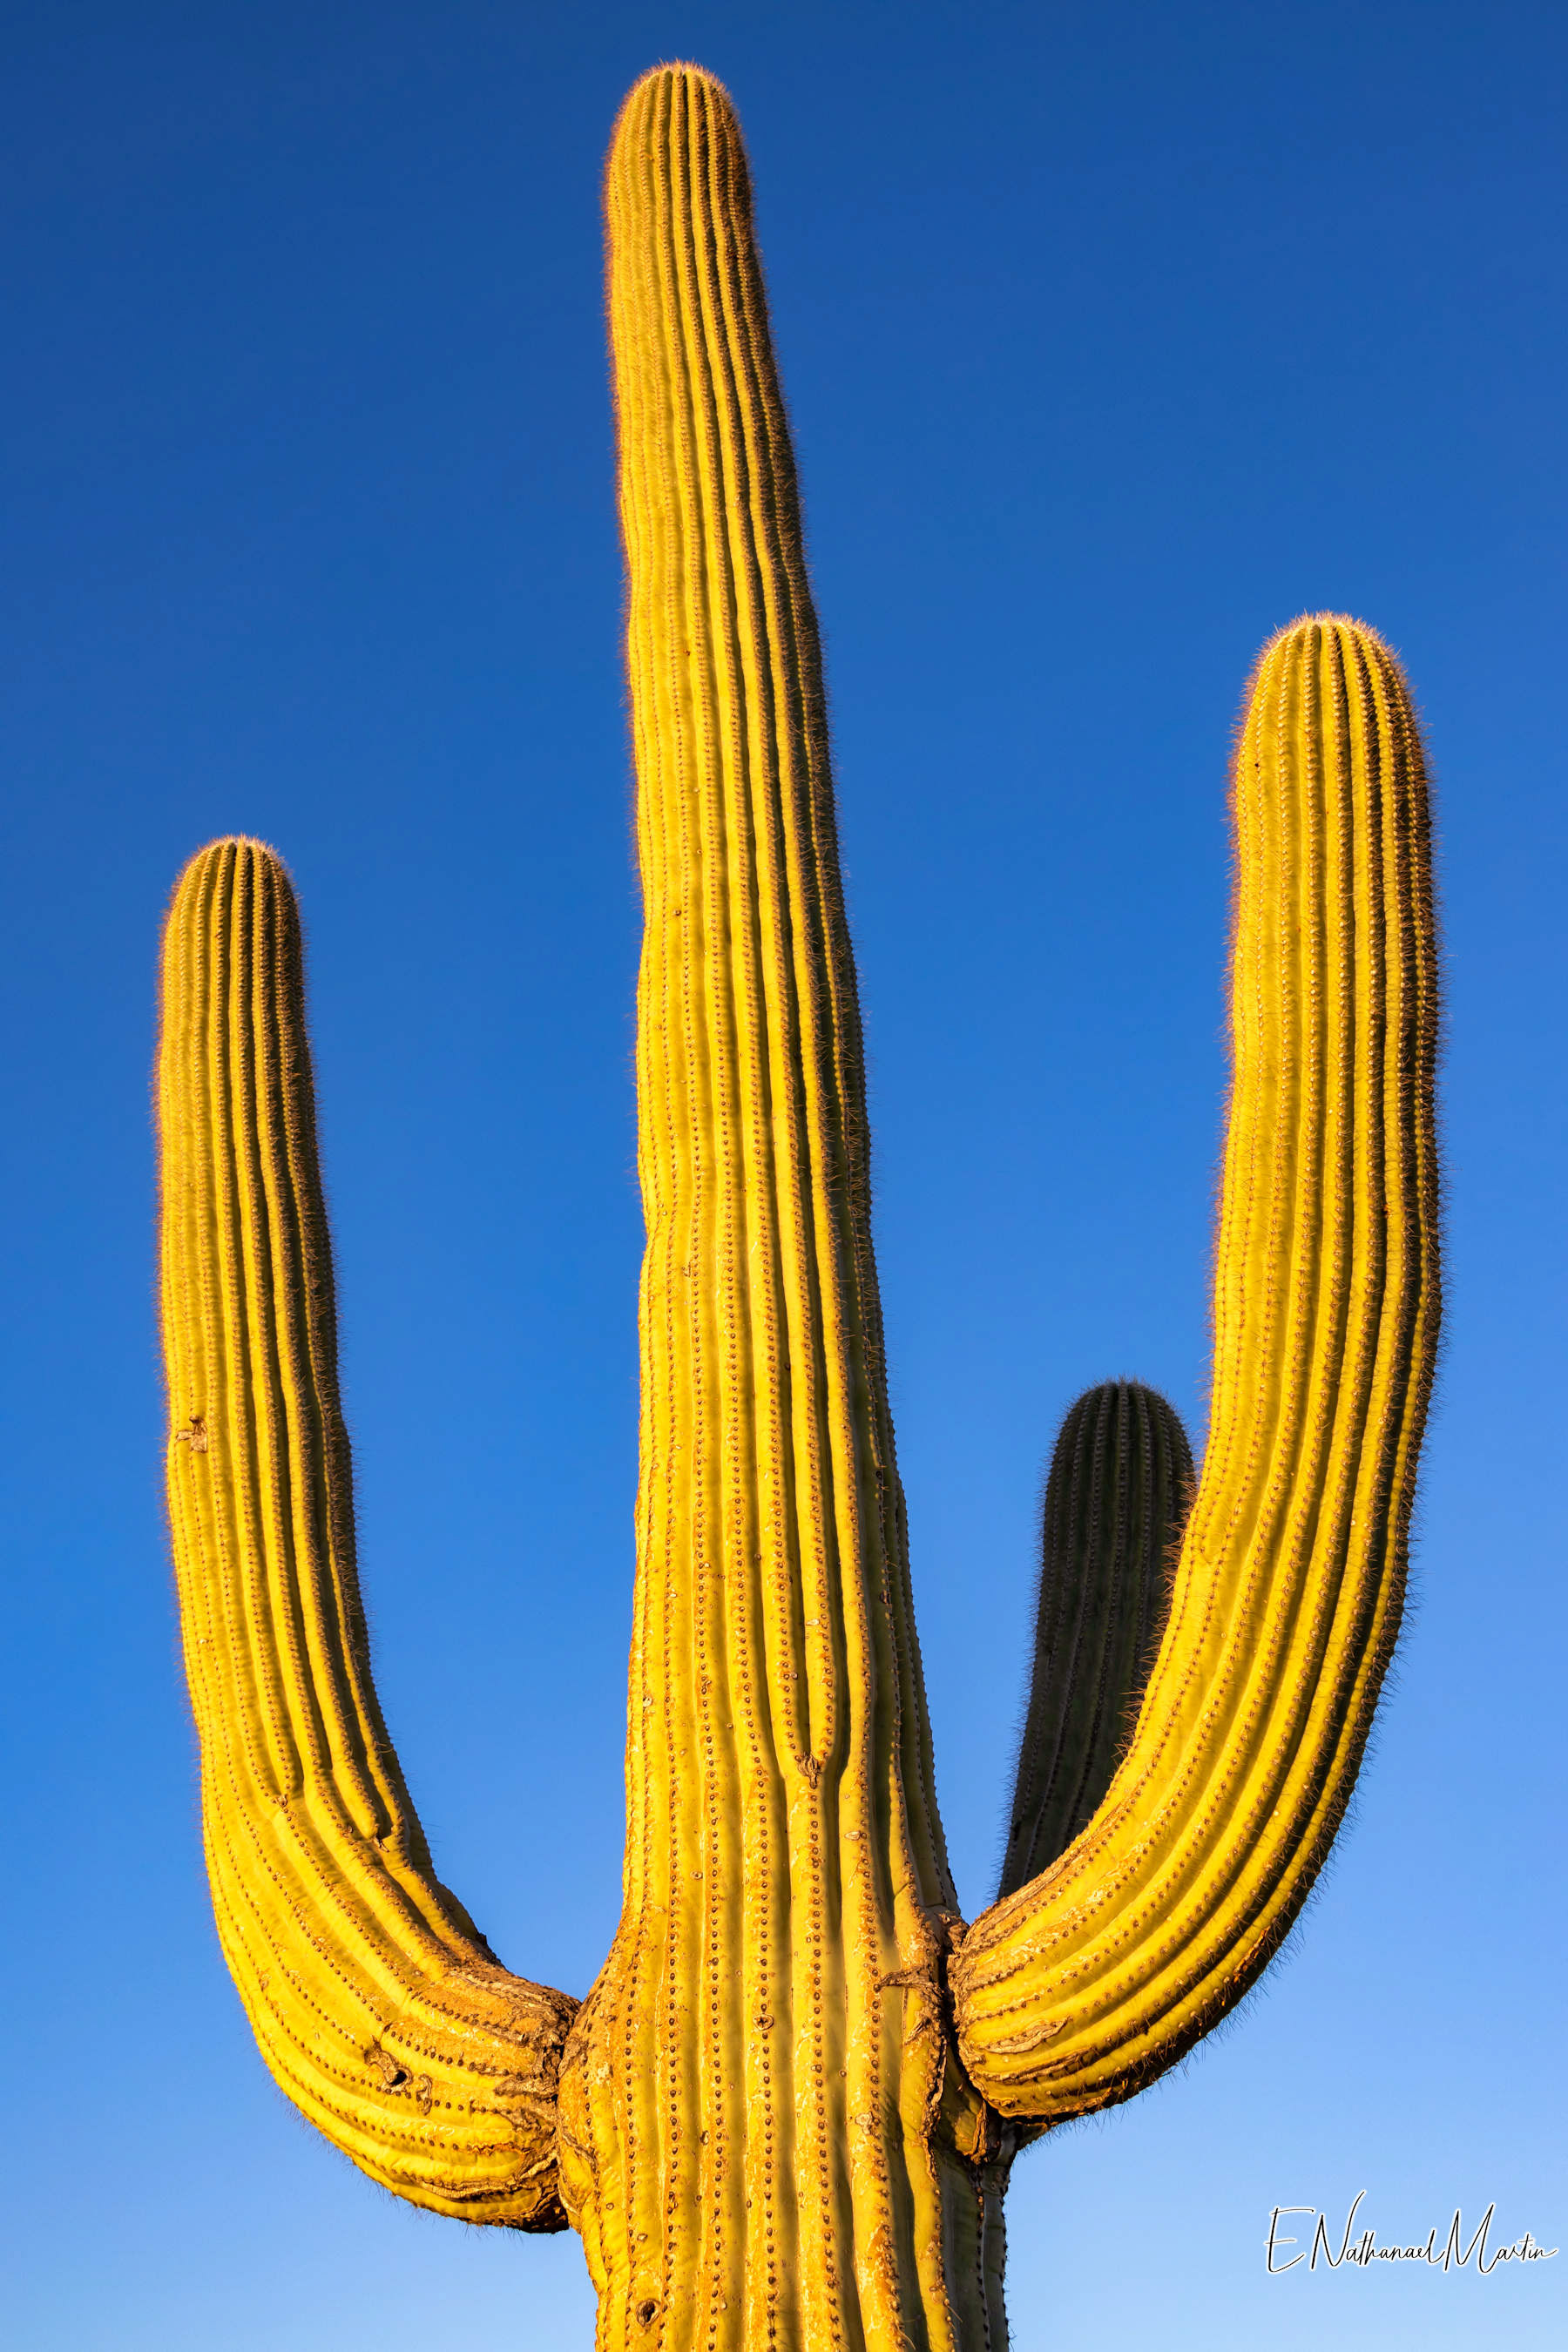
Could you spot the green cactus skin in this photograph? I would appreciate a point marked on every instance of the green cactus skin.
(1119, 1483)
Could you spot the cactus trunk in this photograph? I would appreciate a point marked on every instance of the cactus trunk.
(1121, 1481)
(766, 2135)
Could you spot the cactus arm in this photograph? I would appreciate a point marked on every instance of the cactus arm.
(1083, 1985)
(759, 2117)
(378, 2007)
(1119, 1485)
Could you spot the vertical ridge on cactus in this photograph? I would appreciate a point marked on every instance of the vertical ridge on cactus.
(784, 2117)
(1119, 1484)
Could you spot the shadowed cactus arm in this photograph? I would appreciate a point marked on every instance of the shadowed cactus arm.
(1080, 1987)
(1120, 1482)
(378, 2005)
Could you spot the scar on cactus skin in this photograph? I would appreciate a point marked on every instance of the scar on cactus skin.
(784, 2114)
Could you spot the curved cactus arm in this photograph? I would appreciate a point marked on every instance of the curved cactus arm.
(1079, 1989)
(378, 2005)
(1120, 1483)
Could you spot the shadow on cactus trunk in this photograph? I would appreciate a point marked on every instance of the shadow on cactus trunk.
(784, 2114)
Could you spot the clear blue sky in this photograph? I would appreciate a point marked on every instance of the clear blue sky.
(1114, 336)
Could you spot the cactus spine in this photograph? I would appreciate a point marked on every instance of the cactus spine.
(784, 2114)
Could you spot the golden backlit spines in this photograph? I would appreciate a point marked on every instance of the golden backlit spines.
(377, 2006)
(1080, 1987)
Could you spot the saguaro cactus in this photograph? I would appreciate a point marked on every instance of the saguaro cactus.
(784, 2114)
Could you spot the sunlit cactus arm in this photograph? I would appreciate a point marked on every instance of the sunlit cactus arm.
(378, 2005)
(766, 2136)
(1083, 1985)
(1120, 1483)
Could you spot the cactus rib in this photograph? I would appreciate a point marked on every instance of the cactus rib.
(1077, 1990)
(378, 2005)
(1120, 1482)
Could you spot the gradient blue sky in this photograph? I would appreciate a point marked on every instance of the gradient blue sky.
(1114, 337)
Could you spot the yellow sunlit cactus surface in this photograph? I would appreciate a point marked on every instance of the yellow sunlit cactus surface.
(378, 2006)
(784, 2115)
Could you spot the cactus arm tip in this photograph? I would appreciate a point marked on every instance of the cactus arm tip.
(1083, 1985)
(378, 2007)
